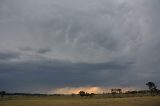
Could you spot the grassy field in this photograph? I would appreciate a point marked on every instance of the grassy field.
(79, 101)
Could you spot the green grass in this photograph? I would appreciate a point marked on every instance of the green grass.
(79, 101)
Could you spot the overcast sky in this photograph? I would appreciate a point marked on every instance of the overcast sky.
(47, 44)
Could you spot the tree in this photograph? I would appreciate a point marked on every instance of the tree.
(119, 91)
(152, 87)
(82, 93)
(115, 91)
(91, 94)
(2, 94)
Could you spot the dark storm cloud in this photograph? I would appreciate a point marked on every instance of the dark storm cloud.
(56, 73)
(41, 50)
(7, 56)
(47, 44)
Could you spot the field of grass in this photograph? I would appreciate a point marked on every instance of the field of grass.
(79, 101)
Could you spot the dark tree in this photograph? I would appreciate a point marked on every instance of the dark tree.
(87, 94)
(115, 91)
(82, 93)
(152, 87)
(119, 91)
(92, 94)
(2, 94)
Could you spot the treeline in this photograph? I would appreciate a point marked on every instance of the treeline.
(82, 93)
(152, 90)
(28, 94)
(141, 92)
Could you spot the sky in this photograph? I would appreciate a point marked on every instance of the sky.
(63, 45)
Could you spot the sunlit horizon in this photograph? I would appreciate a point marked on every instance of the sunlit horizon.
(89, 89)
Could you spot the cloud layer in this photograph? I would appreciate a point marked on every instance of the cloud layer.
(53, 43)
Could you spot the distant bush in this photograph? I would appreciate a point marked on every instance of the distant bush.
(82, 93)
